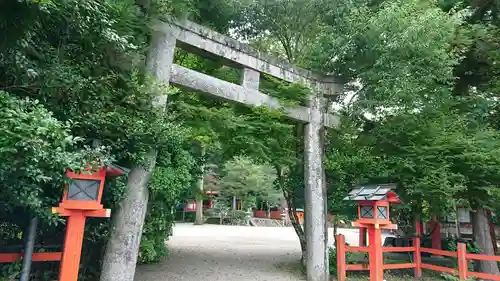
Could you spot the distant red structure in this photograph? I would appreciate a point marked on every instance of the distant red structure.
(191, 205)
(279, 215)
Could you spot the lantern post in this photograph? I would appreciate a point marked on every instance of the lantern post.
(373, 215)
(81, 199)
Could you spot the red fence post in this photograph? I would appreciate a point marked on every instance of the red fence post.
(417, 257)
(341, 267)
(462, 261)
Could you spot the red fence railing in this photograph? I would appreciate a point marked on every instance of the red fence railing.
(461, 255)
(47, 256)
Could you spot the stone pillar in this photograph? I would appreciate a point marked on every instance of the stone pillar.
(201, 194)
(120, 257)
(315, 194)
(160, 59)
(250, 79)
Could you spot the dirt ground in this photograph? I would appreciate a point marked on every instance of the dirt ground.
(230, 253)
(227, 253)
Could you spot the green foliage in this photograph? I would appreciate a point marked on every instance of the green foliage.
(332, 259)
(35, 150)
(282, 27)
(11, 272)
(449, 277)
(425, 74)
(382, 49)
(171, 177)
(74, 73)
(410, 119)
(221, 209)
(470, 246)
(83, 68)
(248, 181)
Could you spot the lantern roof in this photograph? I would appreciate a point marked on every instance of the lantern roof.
(114, 170)
(373, 192)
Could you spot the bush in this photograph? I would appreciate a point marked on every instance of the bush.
(237, 217)
(332, 259)
(350, 258)
(170, 178)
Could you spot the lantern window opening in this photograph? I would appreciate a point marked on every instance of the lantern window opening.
(381, 212)
(83, 190)
(366, 212)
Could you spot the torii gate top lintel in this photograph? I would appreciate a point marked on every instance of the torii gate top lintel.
(289, 72)
(198, 37)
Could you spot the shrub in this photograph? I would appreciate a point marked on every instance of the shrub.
(332, 259)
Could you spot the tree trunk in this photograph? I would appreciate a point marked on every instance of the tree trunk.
(294, 220)
(292, 214)
(482, 238)
(457, 224)
(199, 211)
(120, 257)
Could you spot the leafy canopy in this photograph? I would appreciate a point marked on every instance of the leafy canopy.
(249, 181)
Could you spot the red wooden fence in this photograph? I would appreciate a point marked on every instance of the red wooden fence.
(48, 256)
(461, 255)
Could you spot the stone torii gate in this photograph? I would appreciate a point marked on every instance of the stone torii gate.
(198, 39)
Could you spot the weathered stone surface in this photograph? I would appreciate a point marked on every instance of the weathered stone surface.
(199, 200)
(250, 79)
(233, 50)
(120, 257)
(315, 195)
(207, 84)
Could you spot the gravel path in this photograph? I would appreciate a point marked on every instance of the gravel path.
(230, 253)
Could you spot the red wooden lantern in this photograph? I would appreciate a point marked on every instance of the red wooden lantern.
(84, 192)
(81, 199)
(373, 204)
(373, 212)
